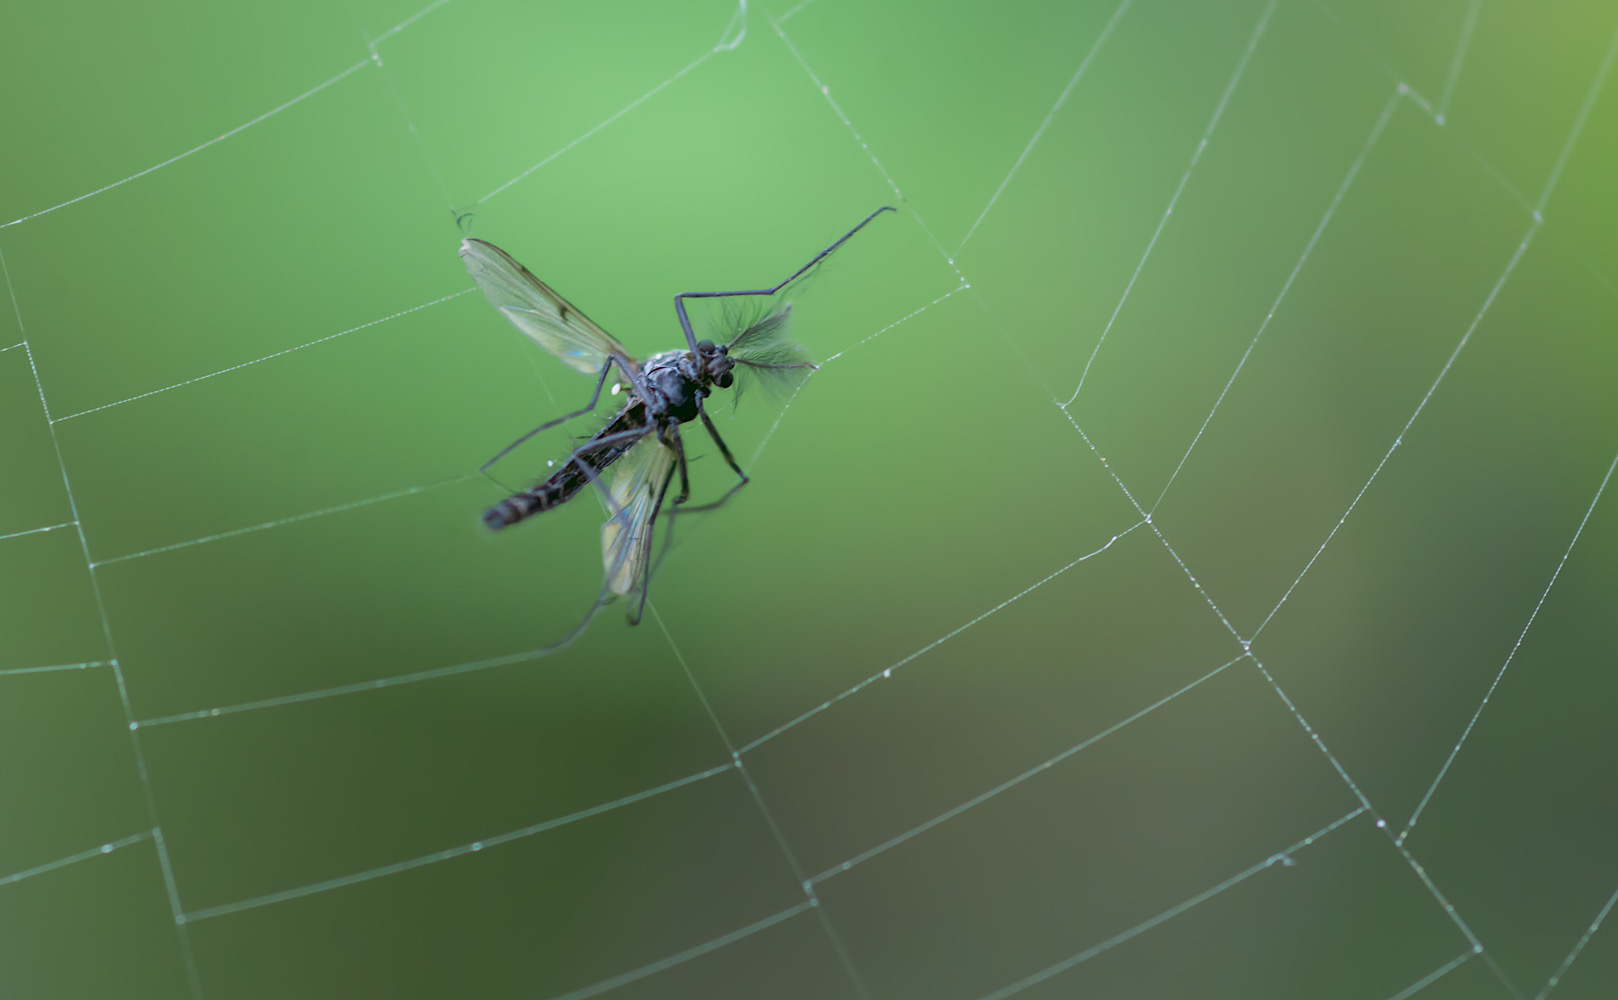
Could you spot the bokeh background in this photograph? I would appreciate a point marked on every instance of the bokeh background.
(268, 722)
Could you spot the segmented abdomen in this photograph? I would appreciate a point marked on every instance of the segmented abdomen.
(565, 482)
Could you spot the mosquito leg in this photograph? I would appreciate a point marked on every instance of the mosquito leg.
(505, 487)
(646, 559)
(577, 458)
(675, 510)
(679, 300)
(680, 505)
(520, 504)
(685, 494)
(713, 505)
(547, 425)
(713, 432)
(678, 447)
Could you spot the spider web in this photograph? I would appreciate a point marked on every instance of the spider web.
(1187, 575)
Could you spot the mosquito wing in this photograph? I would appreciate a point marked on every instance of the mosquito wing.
(537, 310)
(639, 481)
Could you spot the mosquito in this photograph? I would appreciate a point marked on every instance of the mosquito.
(641, 445)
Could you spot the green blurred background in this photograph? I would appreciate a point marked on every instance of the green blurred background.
(257, 530)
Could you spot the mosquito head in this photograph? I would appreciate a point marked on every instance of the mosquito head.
(715, 363)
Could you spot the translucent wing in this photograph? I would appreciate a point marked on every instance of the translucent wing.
(638, 483)
(534, 308)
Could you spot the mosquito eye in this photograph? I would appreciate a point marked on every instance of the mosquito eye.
(725, 380)
(704, 347)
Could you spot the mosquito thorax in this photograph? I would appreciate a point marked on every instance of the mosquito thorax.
(673, 380)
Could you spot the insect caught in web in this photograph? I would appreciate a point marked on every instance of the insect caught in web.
(641, 445)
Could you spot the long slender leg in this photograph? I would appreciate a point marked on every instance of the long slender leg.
(679, 300)
(547, 425)
(713, 432)
(674, 508)
(680, 505)
(715, 504)
(646, 560)
(674, 444)
(668, 532)
(505, 487)
(507, 512)
(577, 458)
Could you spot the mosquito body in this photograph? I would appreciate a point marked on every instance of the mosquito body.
(566, 481)
(640, 446)
(673, 386)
